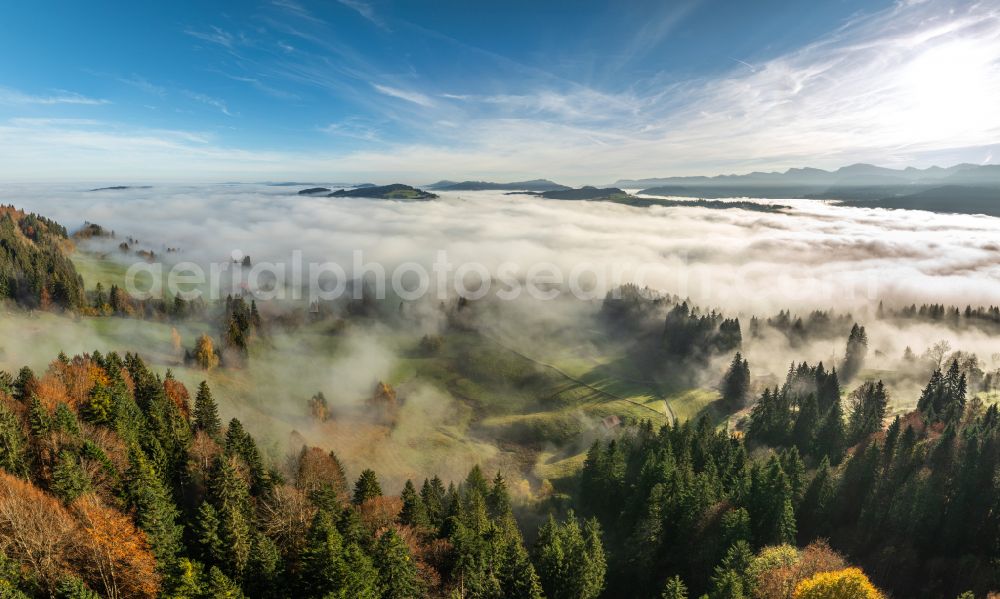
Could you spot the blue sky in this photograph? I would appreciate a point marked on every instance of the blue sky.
(577, 91)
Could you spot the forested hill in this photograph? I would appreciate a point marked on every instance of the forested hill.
(35, 270)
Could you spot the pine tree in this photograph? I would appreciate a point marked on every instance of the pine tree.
(13, 445)
(728, 580)
(806, 424)
(570, 564)
(221, 586)
(817, 502)
(518, 578)
(231, 498)
(212, 548)
(322, 558)
(413, 512)
(99, 408)
(39, 419)
(367, 487)
(264, 568)
(736, 383)
(155, 511)
(64, 420)
(361, 579)
(857, 350)
(674, 589)
(69, 481)
(25, 384)
(206, 412)
(831, 437)
(397, 572)
(432, 494)
(868, 407)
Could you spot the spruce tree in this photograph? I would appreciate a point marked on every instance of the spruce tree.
(155, 511)
(69, 481)
(857, 350)
(736, 384)
(831, 438)
(206, 412)
(231, 499)
(674, 589)
(367, 487)
(868, 407)
(397, 573)
(413, 512)
(13, 445)
(322, 558)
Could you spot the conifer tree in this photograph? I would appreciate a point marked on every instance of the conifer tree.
(367, 487)
(207, 535)
(571, 564)
(432, 494)
(831, 438)
(868, 407)
(674, 589)
(69, 481)
(736, 383)
(518, 578)
(231, 499)
(413, 512)
(264, 568)
(857, 350)
(13, 445)
(155, 510)
(206, 412)
(397, 573)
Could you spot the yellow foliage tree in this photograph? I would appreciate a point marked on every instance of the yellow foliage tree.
(204, 353)
(849, 583)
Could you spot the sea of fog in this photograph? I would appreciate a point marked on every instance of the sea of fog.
(812, 255)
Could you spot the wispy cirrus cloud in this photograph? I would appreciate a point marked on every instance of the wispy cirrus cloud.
(13, 96)
(214, 35)
(143, 85)
(353, 128)
(402, 94)
(366, 10)
(209, 101)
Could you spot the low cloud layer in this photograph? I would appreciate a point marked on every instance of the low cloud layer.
(813, 256)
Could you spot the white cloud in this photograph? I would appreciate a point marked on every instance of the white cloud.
(215, 35)
(13, 96)
(409, 96)
(210, 101)
(365, 10)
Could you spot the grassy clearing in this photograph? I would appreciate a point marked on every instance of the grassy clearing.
(96, 268)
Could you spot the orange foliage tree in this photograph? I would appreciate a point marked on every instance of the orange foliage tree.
(177, 393)
(35, 530)
(113, 551)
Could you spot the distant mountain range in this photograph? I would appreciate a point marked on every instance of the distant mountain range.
(533, 185)
(963, 188)
(619, 196)
(396, 191)
(855, 175)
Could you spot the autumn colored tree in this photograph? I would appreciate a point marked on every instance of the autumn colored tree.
(316, 469)
(204, 353)
(850, 583)
(177, 393)
(113, 553)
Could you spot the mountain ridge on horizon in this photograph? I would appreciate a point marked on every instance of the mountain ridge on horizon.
(859, 173)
